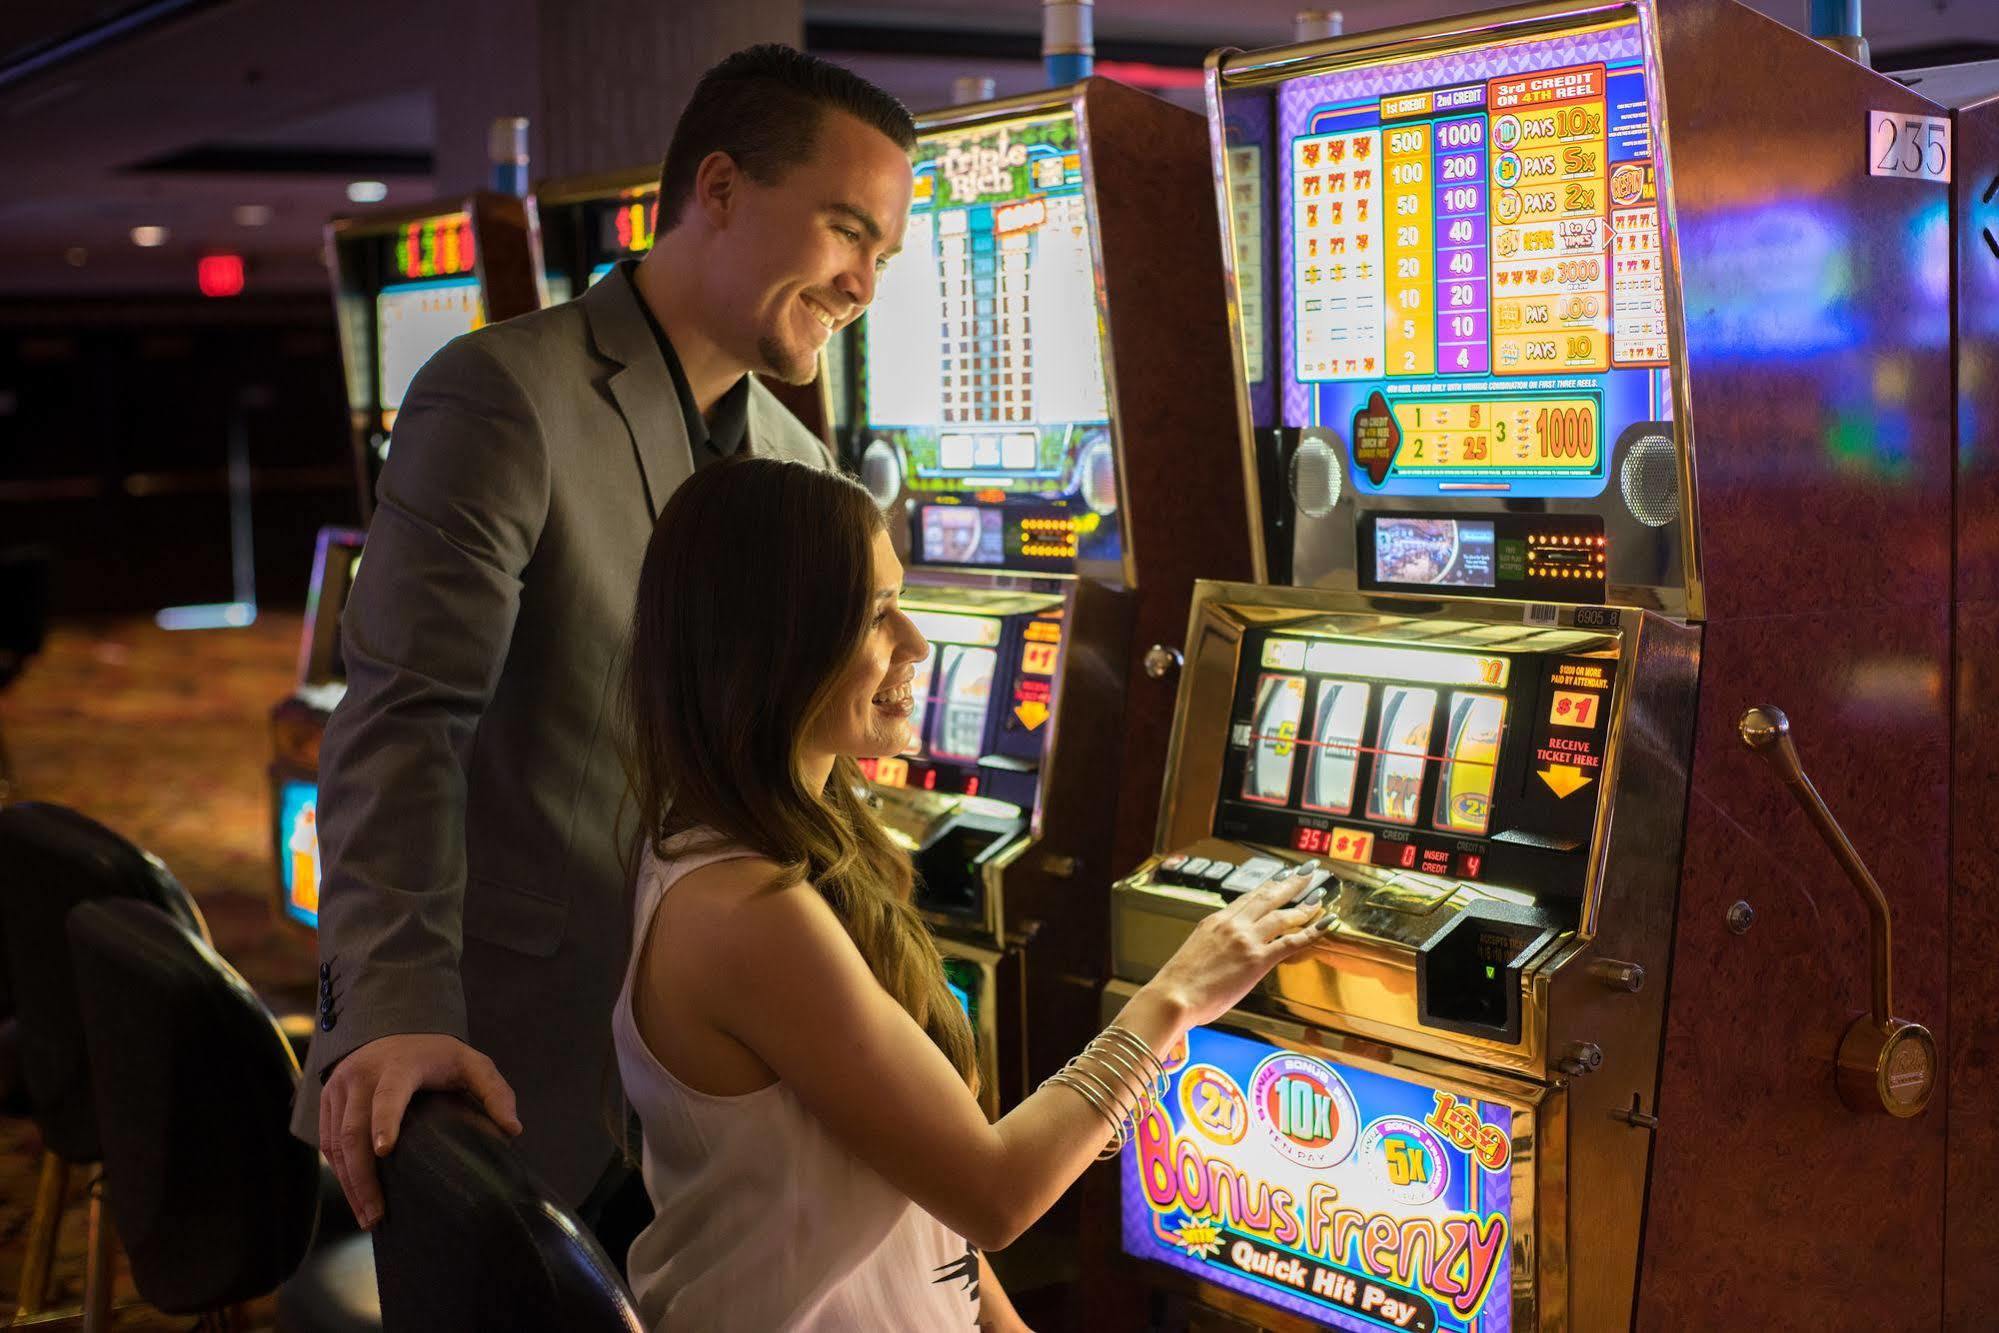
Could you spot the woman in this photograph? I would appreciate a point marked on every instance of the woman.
(812, 1144)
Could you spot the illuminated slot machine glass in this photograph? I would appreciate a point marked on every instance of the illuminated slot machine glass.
(993, 441)
(1554, 412)
(1049, 500)
(408, 280)
(588, 225)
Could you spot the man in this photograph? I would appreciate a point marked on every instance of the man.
(474, 928)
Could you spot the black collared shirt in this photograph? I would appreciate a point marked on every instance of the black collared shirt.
(707, 440)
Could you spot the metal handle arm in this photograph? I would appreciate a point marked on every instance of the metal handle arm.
(1768, 732)
(1884, 1063)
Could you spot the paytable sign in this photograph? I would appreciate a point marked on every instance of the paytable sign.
(1356, 1199)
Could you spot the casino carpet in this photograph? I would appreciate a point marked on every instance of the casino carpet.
(162, 737)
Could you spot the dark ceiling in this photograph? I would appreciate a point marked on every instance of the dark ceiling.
(178, 113)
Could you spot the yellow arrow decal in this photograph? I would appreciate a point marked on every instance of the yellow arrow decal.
(1565, 780)
(1031, 714)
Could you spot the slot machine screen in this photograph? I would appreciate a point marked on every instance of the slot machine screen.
(1426, 1173)
(1470, 277)
(1480, 759)
(298, 849)
(982, 359)
(413, 320)
(954, 685)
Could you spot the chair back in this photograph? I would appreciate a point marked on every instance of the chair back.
(51, 859)
(470, 1239)
(213, 1199)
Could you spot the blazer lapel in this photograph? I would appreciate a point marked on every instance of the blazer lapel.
(641, 388)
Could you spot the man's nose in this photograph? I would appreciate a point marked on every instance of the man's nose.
(857, 284)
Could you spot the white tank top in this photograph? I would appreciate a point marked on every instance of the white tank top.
(762, 1220)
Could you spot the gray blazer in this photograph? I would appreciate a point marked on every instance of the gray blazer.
(472, 816)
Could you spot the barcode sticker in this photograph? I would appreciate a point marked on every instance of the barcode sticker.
(1541, 613)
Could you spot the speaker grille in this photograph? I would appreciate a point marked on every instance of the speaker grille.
(1650, 480)
(881, 473)
(1099, 469)
(1315, 475)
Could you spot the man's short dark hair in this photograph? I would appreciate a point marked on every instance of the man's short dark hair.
(762, 106)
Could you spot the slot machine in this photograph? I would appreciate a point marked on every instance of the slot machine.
(405, 282)
(1598, 401)
(588, 224)
(1041, 404)
(1972, 1224)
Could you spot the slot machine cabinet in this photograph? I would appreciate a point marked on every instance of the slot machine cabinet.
(298, 723)
(1589, 1045)
(589, 223)
(406, 280)
(1971, 1233)
(1040, 396)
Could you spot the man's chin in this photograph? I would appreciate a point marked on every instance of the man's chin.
(790, 365)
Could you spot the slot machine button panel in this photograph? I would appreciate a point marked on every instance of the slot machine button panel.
(1252, 874)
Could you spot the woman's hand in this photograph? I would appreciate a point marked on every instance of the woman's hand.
(1235, 948)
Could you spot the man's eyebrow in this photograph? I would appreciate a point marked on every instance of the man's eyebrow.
(860, 215)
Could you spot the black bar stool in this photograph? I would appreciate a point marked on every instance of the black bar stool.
(215, 1201)
(51, 859)
(471, 1240)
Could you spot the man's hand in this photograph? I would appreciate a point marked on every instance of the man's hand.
(361, 1107)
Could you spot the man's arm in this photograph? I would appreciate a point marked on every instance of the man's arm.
(425, 633)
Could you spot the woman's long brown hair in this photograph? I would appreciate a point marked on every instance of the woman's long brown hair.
(757, 590)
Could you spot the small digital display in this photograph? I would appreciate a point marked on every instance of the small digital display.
(962, 535)
(1354, 1199)
(1434, 552)
(412, 321)
(298, 850)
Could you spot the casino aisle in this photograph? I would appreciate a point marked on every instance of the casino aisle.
(162, 737)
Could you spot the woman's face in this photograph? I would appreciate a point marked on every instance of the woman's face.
(867, 714)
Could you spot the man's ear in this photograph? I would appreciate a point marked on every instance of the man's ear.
(716, 184)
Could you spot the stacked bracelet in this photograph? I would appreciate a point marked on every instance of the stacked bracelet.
(1121, 1079)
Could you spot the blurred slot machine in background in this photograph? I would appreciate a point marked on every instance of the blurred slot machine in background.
(406, 281)
(1586, 439)
(1039, 398)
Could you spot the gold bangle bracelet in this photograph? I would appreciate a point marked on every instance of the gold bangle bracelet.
(1118, 1138)
(1135, 1045)
(1127, 1073)
(1081, 1071)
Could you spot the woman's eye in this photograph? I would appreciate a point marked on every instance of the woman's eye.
(849, 233)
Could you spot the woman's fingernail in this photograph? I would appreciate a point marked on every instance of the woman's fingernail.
(381, 1143)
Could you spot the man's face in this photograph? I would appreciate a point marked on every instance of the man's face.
(801, 256)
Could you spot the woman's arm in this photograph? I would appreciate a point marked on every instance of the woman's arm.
(996, 1312)
(778, 973)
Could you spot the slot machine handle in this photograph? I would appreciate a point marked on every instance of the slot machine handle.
(1885, 1063)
